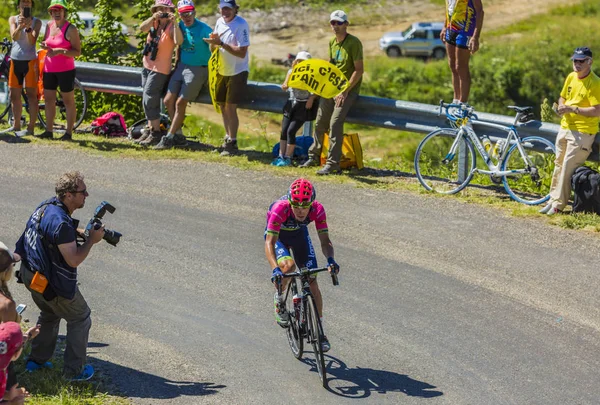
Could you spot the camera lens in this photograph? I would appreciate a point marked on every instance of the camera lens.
(111, 237)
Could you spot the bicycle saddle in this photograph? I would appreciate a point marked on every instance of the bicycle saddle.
(521, 109)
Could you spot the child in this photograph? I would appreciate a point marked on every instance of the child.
(300, 107)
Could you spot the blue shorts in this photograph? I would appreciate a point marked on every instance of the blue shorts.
(300, 244)
(457, 38)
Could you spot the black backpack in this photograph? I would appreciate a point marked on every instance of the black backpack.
(586, 187)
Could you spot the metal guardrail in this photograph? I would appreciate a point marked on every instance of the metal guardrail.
(371, 111)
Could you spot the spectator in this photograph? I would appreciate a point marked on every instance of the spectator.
(50, 256)
(346, 52)
(8, 313)
(24, 65)
(232, 36)
(579, 105)
(11, 345)
(61, 41)
(464, 19)
(191, 73)
(158, 58)
(297, 110)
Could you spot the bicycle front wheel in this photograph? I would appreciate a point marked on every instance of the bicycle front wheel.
(441, 168)
(315, 335)
(294, 332)
(533, 186)
(60, 118)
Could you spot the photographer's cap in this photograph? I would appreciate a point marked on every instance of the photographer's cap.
(582, 53)
(338, 15)
(58, 4)
(303, 55)
(7, 257)
(228, 4)
(183, 6)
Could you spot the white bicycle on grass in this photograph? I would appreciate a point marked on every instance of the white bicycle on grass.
(445, 159)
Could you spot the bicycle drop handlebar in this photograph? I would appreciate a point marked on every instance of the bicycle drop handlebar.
(305, 272)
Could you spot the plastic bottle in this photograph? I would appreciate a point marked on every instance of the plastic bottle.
(487, 144)
(498, 148)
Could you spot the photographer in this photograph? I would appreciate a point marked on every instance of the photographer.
(158, 56)
(50, 255)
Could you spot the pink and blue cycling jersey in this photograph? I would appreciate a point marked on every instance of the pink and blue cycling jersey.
(280, 217)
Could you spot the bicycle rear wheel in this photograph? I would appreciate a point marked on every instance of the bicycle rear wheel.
(440, 170)
(294, 332)
(532, 187)
(60, 119)
(315, 336)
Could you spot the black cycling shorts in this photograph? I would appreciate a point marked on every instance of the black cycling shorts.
(64, 80)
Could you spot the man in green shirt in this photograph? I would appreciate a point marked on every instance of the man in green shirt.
(346, 52)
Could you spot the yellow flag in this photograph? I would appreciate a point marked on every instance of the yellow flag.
(319, 77)
(213, 67)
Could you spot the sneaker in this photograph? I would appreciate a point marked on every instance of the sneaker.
(152, 139)
(553, 211)
(310, 163)
(325, 345)
(281, 315)
(45, 135)
(179, 139)
(165, 143)
(145, 134)
(86, 374)
(328, 170)
(230, 147)
(23, 132)
(276, 161)
(284, 162)
(66, 137)
(32, 366)
(547, 208)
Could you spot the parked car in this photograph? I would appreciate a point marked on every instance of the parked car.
(420, 39)
(89, 20)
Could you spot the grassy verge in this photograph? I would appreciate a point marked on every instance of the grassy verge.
(49, 387)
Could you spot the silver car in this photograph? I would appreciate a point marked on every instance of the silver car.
(420, 39)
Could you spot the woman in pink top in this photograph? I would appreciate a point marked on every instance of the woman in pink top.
(61, 41)
(158, 57)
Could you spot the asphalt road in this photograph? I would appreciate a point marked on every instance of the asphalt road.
(438, 299)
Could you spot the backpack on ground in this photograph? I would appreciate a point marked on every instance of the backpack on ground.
(586, 188)
(352, 153)
(301, 150)
(110, 124)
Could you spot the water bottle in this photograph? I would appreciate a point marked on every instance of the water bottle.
(487, 144)
(498, 147)
(297, 299)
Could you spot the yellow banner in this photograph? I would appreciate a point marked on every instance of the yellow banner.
(213, 67)
(319, 77)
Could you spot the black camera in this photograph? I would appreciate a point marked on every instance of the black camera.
(164, 15)
(152, 46)
(112, 237)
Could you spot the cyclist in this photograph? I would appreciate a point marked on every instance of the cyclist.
(24, 30)
(287, 228)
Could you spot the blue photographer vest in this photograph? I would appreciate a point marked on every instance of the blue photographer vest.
(38, 246)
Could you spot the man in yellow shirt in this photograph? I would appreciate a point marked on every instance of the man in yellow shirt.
(579, 106)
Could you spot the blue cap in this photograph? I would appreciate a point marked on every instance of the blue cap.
(582, 53)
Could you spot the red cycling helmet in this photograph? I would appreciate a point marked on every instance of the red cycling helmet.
(301, 192)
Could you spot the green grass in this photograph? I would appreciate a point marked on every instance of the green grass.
(49, 387)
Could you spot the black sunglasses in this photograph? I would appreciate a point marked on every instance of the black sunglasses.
(84, 191)
(579, 60)
(335, 22)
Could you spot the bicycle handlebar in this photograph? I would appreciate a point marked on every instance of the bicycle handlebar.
(305, 272)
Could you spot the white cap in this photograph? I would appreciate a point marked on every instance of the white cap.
(338, 15)
(7, 257)
(303, 55)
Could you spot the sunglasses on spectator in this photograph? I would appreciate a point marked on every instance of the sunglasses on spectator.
(337, 22)
(84, 191)
(305, 204)
(187, 14)
(579, 60)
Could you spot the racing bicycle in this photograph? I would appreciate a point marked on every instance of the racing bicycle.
(445, 160)
(305, 322)
(60, 119)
